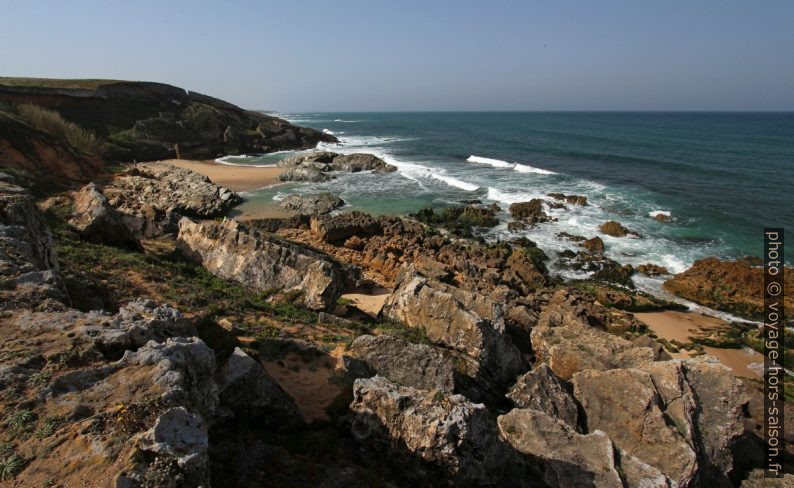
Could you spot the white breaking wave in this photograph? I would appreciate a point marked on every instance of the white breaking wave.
(346, 121)
(454, 182)
(328, 131)
(508, 198)
(525, 168)
(666, 213)
(496, 163)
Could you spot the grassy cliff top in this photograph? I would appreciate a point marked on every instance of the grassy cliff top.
(56, 83)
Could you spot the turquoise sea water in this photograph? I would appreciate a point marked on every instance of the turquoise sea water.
(722, 176)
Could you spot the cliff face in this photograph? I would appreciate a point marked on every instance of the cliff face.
(145, 121)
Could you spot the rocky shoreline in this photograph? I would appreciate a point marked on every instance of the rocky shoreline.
(481, 369)
(151, 341)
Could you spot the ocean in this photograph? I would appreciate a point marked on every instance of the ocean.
(722, 177)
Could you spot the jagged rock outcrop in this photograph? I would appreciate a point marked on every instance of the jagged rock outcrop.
(416, 365)
(232, 252)
(147, 121)
(616, 229)
(97, 221)
(565, 338)
(248, 391)
(28, 260)
(733, 286)
(341, 227)
(313, 166)
(681, 417)
(541, 390)
(447, 431)
(600, 267)
(313, 204)
(569, 459)
(650, 269)
(152, 197)
(571, 199)
(463, 321)
(530, 212)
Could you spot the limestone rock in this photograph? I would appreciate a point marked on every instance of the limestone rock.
(153, 197)
(314, 204)
(616, 229)
(541, 390)
(181, 435)
(249, 392)
(96, 221)
(458, 319)
(570, 459)
(447, 431)
(260, 261)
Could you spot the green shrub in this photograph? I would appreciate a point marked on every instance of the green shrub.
(54, 124)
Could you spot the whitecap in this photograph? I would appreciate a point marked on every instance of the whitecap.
(328, 131)
(505, 197)
(655, 213)
(455, 182)
(496, 163)
(525, 168)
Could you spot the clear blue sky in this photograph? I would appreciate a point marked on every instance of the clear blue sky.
(294, 55)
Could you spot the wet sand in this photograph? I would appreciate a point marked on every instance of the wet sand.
(678, 326)
(237, 178)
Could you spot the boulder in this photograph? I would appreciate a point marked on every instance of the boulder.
(680, 416)
(29, 272)
(248, 392)
(304, 173)
(733, 286)
(354, 163)
(530, 212)
(541, 390)
(569, 459)
(261, 261)
(314, 204)
(595, 245)
(341, 227)
(616, 229)
(463, 321)
(318, 159)
(416, 365)
(650, 269)
(97, 221)
(571, 199)
(446, 431)
(152, 197)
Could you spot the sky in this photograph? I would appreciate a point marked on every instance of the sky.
(380, 55)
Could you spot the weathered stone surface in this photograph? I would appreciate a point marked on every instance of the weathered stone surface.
(416, 365)
(248, 391)
(541, 390)
(304, 173)
(447, 431)
(458, 319)
(595, 245)
(569, 459)
(318, 159)
(153, 197)
(28, 260)
(681, 417)
(354, 163)
(260, 261)
(616, 229)
(651, 269)
(341, 227)
(571, 199)
(181, 435)
(314, 204)
(733, 286)
(566, 340)
(530, 212)
(96, 221)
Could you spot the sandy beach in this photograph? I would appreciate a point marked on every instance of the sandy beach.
(679, 326)
(237, 178)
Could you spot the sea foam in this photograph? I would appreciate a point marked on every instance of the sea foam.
(666, 213)
(525, 168)
(454, 182)
(496, 163)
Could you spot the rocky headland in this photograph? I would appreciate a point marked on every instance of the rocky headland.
(150, 341)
